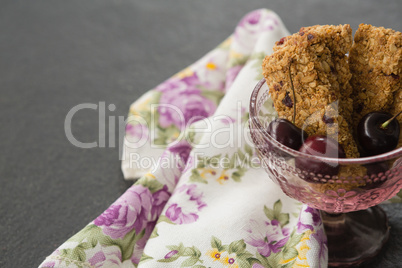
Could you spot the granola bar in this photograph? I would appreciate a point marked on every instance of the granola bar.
(376, 67)
(314, 61)
(339, 41)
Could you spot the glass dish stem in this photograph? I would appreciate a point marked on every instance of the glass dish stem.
(355, 237)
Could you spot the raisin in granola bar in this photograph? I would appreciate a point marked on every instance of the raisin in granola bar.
(314, 59)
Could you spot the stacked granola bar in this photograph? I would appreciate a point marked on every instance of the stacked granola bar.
(376, 67)
(331, 91)
(314, 61)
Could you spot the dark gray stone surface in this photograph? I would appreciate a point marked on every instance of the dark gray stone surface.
(390, 255)
(57, 54)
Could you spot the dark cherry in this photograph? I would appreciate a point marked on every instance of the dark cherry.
(320, 146)
(375, 139)
(286, 133)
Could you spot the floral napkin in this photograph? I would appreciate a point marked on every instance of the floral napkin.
(202, 200)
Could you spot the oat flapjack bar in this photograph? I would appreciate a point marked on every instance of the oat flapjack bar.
(376, 67)
(314, 59)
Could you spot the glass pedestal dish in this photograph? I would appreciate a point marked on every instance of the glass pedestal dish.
(355, 226)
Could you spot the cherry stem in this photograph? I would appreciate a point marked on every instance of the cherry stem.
(294, 95)
(386, 123)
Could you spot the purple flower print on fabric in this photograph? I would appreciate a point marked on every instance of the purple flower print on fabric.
(173, 161)
(179, 84)
(130, 211)
(247, 27)
(315, 213)
(136, 209)
(316, 219)
(181, 103)
(191, 162)
(159, 200)
(301, 227)
(138, 131)
(109, 257)
(140, 245)
(171, 254)
(182, 149)
(267, 237)
(190, 204)
(252, 26)
(231, 75)
(48, 264)
(269, 22)
(250, 18)
(99, 258)
(176, 215)
(321, 239)
(228, 120)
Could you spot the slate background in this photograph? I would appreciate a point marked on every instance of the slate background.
(57, 54)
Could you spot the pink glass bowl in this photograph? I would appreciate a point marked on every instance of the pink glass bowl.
(333, 194)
